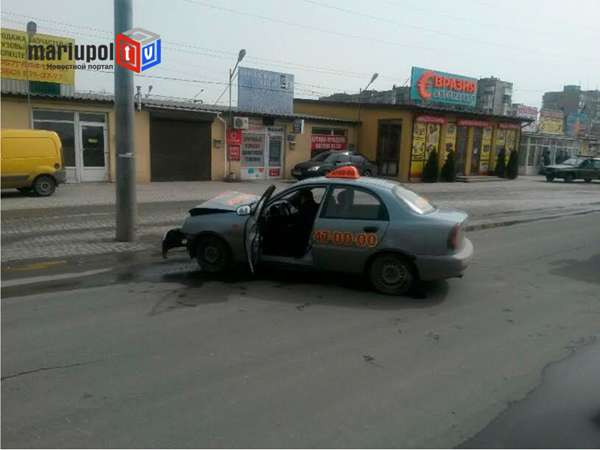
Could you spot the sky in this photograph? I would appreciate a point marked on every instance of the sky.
(335, 46)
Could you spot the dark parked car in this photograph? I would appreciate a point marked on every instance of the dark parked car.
(324, 162)
(580, 167)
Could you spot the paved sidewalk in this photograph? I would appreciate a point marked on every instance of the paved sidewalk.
(79, 219)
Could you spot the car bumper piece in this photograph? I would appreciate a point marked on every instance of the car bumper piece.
(446, 266)
(172, 239)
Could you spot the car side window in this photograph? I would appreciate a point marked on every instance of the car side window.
(344, 202)
(597, 164)
(587, 164)
(357, 159)
(342, 157)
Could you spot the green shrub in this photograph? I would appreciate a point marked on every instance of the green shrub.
(430, 171)
(449, 168)
(501, 164)
(512, 169)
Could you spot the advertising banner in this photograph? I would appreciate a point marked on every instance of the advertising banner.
(263, 91)
(528, 112)
(426, 139)
(321, 142)
(577, 124)
(551, 122)
(486, 151)
(431, 86)
(16, 65)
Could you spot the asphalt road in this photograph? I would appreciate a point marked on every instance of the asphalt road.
(147, 353)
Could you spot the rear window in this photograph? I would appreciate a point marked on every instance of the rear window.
(418, 204)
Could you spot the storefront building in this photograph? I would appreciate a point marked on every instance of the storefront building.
(400, 138)
(176, 141)
(543, 149)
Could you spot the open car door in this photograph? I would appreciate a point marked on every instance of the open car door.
(253, 229)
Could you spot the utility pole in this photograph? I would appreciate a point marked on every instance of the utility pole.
(373, 78)
(124, 108)
(31, 30)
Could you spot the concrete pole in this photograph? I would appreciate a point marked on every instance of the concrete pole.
(124, 109)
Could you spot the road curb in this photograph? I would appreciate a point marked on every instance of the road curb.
(506, 223)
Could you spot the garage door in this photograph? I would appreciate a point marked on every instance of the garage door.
(179, 150)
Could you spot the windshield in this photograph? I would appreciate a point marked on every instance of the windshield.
(321, 156)
(418, 204)
(572, 162)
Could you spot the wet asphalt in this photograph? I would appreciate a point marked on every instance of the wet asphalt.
(146, 352)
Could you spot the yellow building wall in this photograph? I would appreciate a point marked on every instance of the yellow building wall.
(15, 114)
(368, 130)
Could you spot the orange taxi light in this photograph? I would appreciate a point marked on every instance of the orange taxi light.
(350, 172)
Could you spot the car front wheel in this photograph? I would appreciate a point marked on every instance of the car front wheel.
(212, 254)
(549, 178)
(587, 180)
(392, 274)
(367, 173)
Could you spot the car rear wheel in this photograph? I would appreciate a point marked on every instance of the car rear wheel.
(44, 185)
(587, 180)
(392, 274)
(569, 178)
(212, 254)
(549, 178)
(367, 173)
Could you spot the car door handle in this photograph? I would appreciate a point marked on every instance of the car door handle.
(371, 229)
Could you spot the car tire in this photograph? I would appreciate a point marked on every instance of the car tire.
(392, 274)
(569, 178)
(44, 186)
(367, 173)
(549, 178)
(587, 180)
(213, 254)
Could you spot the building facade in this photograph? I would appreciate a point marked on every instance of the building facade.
(494, 96)
(175, 141)
(400, 138)
(581, 109)
(395, 96)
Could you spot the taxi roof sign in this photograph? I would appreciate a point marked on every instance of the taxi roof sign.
(349, 172)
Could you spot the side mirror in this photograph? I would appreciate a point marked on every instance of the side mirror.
(243, 210)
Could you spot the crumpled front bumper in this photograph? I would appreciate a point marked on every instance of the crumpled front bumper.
(172, 239)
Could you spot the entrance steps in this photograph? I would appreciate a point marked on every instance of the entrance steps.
(478, 178)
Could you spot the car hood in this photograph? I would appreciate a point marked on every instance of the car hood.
(307, 164)
(559, 166)
(228, 201)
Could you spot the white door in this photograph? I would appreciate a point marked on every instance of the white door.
(92, 160)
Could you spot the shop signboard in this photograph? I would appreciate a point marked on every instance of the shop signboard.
(551, 122)
(321, 142)
(431, 86)
(263, 91)
(15, 64)
(234, 142)
(486, 151)
(474, 123)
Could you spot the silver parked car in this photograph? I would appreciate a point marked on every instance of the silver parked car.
(342, 222)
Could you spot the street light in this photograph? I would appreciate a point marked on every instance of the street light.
(31, 30)
(241, 55)
(195, 100)
(373, 78)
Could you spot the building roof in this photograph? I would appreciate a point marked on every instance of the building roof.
(174, 105)
(431, 109)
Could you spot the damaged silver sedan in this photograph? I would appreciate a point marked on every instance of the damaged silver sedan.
(341, 222)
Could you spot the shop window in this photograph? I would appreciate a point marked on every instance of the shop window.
(329, 131)
(66, 133)
(91, 117)
(54, 115)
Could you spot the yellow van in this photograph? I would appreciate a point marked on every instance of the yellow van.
(32, 161)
